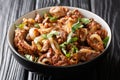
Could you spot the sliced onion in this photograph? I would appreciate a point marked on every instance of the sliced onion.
(96, 36)
(38, 39)
(54, 45)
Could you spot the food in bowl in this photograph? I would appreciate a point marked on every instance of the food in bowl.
(60, 37)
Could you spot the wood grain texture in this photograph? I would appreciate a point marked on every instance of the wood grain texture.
(109, 10)
(10, 10)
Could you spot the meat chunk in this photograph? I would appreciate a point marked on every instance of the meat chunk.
(46, 45)
(93, 26)
(29, 22)
(46, 58)
(87, 54)
(74, 59)
(59, 60)
(22, 46)
(51, 58)
(62, 36)
(83, 34)
(58, 11)
(95, 41)
(102, 33)
(74, 14)
(38, 18)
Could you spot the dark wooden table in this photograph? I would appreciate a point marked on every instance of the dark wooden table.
(109, 10)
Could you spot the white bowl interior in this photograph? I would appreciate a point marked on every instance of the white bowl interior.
(86, 13)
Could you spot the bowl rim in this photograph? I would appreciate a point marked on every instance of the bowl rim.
(51, 66)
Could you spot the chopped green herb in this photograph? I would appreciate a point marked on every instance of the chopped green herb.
(53, 19)
(36, 59)
(68, 55)
(29, 57)
(36, 25)
(64, 51)
(44, 36)
(74, 49)
(52, 33)
(105, 41)
(74, 39)
(76, 26)
(21, 26)
(63, 45)
(69, 37)
(46, 14)
(85, 20)
(49, 15)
